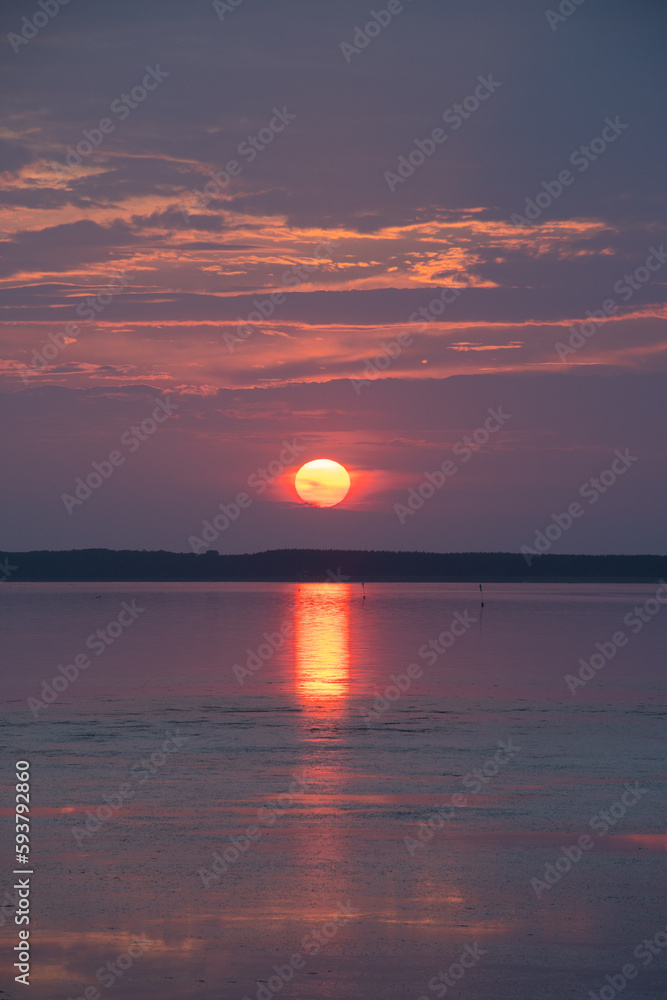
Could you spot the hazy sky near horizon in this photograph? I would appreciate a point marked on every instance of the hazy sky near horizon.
(339, 221)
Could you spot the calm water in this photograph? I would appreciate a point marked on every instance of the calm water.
(366, 780)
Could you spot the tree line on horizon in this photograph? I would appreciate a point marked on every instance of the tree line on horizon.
(324, 565)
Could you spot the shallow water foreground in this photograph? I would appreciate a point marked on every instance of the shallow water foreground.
(251, 790)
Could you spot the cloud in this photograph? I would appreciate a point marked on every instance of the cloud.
(195, 277)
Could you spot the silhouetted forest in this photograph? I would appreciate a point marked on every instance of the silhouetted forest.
(322, 564)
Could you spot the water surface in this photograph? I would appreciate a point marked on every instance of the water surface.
(266, 696)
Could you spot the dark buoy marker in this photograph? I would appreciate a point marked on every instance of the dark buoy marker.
(481, 595)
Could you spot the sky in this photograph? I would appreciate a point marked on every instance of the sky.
(269, 233)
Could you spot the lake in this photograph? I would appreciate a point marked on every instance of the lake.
(331, 792)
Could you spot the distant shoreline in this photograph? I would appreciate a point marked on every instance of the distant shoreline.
(320, 565)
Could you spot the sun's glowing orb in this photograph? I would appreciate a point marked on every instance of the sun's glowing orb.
(322, 483)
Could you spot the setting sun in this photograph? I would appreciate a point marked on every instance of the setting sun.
(323, 483)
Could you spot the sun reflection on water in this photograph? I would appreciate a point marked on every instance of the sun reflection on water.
(322, 640)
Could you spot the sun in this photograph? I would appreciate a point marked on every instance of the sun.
(322, 483)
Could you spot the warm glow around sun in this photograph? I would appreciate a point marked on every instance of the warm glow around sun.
(323, 483)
